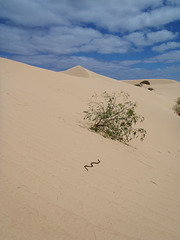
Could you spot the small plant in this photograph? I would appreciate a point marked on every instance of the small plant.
(150, 89)
(142, 83)
(145, 82)
(115, 120)
(176, 107)
(138, 84)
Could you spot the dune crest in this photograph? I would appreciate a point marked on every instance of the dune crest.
(165, 87)
(128, 192)
(78, 71)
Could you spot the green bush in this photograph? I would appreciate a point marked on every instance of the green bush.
(176, 107)
(115, 120)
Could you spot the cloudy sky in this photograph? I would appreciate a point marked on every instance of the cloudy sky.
(122, 39)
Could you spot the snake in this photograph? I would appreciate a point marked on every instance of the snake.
(91, 164)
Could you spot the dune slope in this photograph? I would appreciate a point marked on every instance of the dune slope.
(46, 193)
(165, 87)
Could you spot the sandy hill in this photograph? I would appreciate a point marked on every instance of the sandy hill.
(79, 71)
(165, 87)
(46, 193)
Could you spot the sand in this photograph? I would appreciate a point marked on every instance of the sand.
(46, 193)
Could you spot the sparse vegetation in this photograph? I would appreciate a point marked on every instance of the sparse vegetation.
(114, 119)
(176, 107)
(150, 89)
(145, 82)
(142, 83)
(138, 84)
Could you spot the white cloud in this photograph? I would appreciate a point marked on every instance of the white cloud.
(169, 57)
(106, 44)
(173, 2)
(15, 41)
(138, 38)
(30, 13)
(59, 40)
(165, 46)
(160, 36)
(129, 63)
(146, 39)
(69, 40)
(114, 15)
(155, 18)
(64, 40)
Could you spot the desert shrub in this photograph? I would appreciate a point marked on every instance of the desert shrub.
(141, 83)
(176, 107)
(150, 89)
(114, 119)
(145, 82)
(138, 85)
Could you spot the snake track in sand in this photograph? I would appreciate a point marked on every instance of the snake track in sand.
(91, 164)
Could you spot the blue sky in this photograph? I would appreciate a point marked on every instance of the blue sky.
(122, 39)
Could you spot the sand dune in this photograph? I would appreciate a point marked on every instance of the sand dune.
(46, 193)
(77, 71)
(165, 87)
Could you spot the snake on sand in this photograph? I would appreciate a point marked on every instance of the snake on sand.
(91, 165)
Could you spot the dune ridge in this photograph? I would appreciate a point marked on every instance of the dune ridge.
(133, 193)
(78, 71)
(165, 87)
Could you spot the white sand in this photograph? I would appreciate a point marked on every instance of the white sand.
(46, 193)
